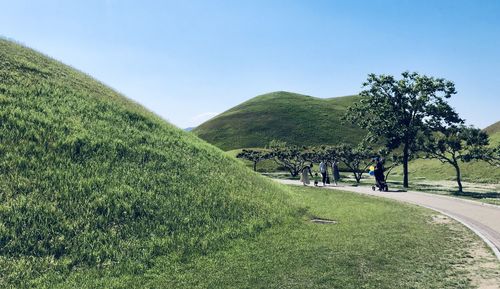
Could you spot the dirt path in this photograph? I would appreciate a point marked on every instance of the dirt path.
(483, 219)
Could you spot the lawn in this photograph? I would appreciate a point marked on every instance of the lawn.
(376, 243)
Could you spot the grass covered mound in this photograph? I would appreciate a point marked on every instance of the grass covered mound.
(294, 118)
(89, 178)
(494, 128)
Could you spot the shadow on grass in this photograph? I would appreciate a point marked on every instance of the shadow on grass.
(476, 195)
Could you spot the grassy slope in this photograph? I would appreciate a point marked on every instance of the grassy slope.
(89, 179)
(492, 129)
(295, 118)
(376, 244)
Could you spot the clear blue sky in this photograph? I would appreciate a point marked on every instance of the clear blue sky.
(187, 60)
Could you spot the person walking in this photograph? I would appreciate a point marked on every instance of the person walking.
(322, 170)
(335, 172)
(304, 175)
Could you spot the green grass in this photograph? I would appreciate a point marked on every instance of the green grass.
(89, 179)
(434, 170)
(377, 243)
(495, 138)
(294, 118)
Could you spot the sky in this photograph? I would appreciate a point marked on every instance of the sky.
(189, 60)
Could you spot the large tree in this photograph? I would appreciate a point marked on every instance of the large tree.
(396, 111)
(291, 157)
(457, 144)
(357, 159)
(255, 156)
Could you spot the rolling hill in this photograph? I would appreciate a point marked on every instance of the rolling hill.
(294, 118)
(90, 179)
(494, 132)
(494, 128)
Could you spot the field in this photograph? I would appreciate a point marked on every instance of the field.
(375, 244)
(294, 118)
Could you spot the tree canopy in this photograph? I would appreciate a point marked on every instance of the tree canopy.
(396, 111)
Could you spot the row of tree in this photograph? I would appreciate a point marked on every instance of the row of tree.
(407, 118)
(294, 158)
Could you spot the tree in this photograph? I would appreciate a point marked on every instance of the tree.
(290, 157)
(459, 143)
(357, 159)
(254, 156)
(396, 111)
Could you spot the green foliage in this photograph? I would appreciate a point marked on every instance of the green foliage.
(453, 144)
(290, 157)
(357, 159)
(294, 118)
(399, 110)
(255, 156)
(89, 178)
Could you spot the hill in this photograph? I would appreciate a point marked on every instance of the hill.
(294, 118)
(494, 132)
(90, 179)
(494, 128)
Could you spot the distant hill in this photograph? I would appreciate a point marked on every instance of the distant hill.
(90, 179)
(494, 132)
(291, 117)
(494, 128)
(189, 128)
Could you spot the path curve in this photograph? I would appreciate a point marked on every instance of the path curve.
(482, 219)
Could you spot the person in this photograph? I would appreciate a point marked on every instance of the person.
(304, 175)
(335, 172)
(322, 170)
(379, 173)
(316, 181)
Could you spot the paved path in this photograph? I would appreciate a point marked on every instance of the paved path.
(483, 219)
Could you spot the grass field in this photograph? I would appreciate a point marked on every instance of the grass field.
(375, 244)
(294, 118)
(434, 170)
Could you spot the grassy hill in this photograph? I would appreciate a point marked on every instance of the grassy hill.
(494, 128)
(494, 132)
(90, 179)
(294, 118)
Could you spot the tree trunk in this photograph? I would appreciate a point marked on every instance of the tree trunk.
(357, 177)
(406, 156)
(459, 178)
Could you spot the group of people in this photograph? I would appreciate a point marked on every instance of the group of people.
(323, 169)
(325, 179)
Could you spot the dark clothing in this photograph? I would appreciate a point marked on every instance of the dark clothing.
(379, 174)
(323, 178)
(379, 171)
(336, 173)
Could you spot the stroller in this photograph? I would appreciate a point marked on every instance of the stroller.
(380, 181)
